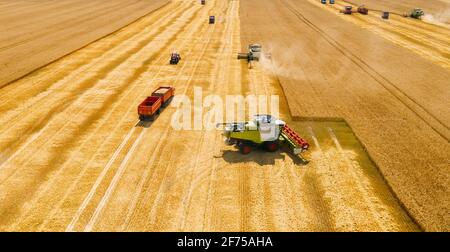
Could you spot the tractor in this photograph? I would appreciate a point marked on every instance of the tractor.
(174, 58)
(263, 131)
(347, 10)
(363, 10)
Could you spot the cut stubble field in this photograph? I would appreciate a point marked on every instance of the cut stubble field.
(74, 156)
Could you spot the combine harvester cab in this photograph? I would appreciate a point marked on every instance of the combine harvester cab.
(263, 131)
(152, 105)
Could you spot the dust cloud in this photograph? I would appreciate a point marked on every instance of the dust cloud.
(441, 18)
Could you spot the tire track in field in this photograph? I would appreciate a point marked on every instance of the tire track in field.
(162, 137)
(164, 185)
(163, 182)
(227, 47)
(216, 86)
(189, 22)
(131, 210)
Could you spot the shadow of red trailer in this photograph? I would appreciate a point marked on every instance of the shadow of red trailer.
(152, 105)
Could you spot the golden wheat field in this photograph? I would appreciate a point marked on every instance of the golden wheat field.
(371, 96)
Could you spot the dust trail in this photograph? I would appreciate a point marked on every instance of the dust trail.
(282, 60)
(284, 64)
(441, 18)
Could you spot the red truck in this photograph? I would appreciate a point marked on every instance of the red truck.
(152, 105)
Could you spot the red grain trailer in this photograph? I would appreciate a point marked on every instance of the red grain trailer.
(149, 108)
(166, 94)
(152, 105)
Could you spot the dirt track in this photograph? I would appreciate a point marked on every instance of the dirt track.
(35, 33)
(396, 101)
(74, 156)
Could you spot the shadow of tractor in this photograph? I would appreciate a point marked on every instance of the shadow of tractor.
(144, 124)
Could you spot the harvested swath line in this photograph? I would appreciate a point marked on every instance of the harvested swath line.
(131, 210)
(189, 81)
(112, 185)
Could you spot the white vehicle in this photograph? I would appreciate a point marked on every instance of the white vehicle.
(254, 51)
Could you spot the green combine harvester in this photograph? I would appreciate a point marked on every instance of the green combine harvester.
(263, 131)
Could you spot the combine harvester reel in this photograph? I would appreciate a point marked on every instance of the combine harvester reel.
(263, 131)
